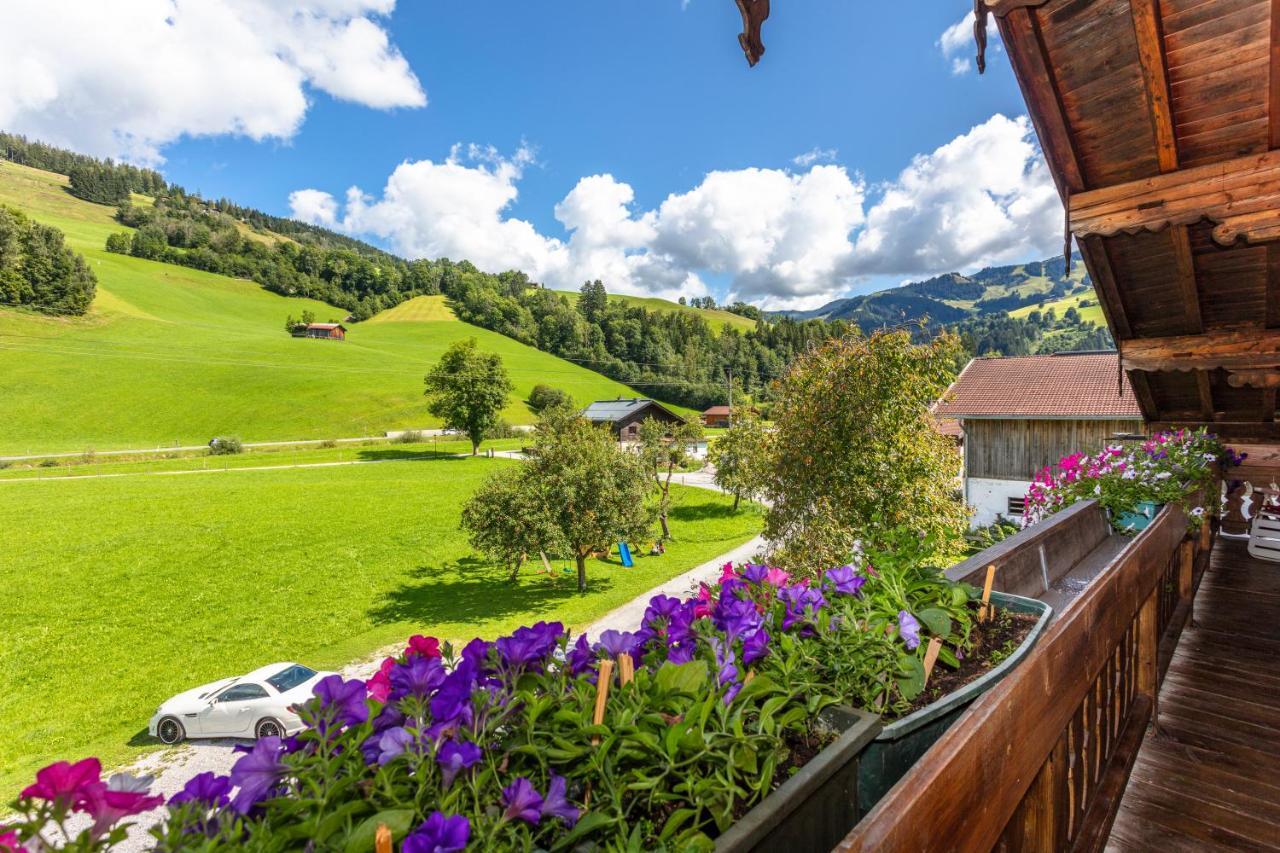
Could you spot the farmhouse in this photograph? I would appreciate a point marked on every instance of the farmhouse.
(624, 416)
(1019, 415)
(324, 331)
(717, 416)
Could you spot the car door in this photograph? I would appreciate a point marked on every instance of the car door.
(234, 711)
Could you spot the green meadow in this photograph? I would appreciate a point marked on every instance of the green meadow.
(169, 355)
(121, 591)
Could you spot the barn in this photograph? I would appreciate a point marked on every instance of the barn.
(1019, 415)
(624, 416)
(322, 331)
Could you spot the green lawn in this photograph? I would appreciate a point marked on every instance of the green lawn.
(122, 591)
(1088, 313)
(716, 317)
(173, 355)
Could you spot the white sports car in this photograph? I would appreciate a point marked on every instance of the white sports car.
(258, 704)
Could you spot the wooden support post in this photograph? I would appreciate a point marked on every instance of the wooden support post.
(986, 612)
(1149, 654)
(382, 839)
(1186, 565)
(604, 678)
(626, 669)
(1041, 821)
(931, 657)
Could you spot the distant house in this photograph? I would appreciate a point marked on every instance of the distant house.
(717, 416)
(324, 331)
(1019, 415)
(624, 416)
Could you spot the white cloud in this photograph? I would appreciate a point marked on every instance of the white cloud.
(984, 198)
(814, 155)
(126, 78)
(781, 238)
(957, 43)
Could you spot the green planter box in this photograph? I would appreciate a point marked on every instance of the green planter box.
(1139, 518)
(818, 806)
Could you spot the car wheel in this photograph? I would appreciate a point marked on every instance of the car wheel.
(170, 731)
(269, 728)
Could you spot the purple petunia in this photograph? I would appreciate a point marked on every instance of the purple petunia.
(455, 756)
(451, 705)
(418, 677)
(258, 772)
(207, 788)
(523, 801)
(476, 653)
(736, 616)
(755, 647)
(802, 603)
(580, 657)
(908, 629)
(439, 833)
(529, 646)
(682, 652)
(614, 643)
(344, 699)
(557, 804)
(845, 580)
(393, 743)
(754, 574)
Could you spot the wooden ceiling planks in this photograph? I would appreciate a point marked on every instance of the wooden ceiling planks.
(1133, 96)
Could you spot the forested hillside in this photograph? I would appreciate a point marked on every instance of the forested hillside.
(38, 271)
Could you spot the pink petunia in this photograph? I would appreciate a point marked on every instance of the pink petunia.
(777, 577)
(727, 572)
(9, 842)
(64, 781)
(107, 807)
(427, 647)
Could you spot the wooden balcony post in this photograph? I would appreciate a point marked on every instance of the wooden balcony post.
(1185, 569)
(1148, 683)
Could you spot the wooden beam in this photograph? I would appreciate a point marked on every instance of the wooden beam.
(1273, 283)
(1266, 433)
(1098, 262)
(1027, 55)
(1148, 31)
(1242, 196)
(1233, 349)
(1268, 405)
(1142, 391)
(1273, 83)
(1205, 389)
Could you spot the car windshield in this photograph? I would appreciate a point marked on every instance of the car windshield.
(290, 677)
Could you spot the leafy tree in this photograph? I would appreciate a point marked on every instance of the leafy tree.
(467, 390)
(593, 301)
(308, 317)
(544, 397)
(741, 458)
(121, 243)
(855, 457)
(665, 448)
(593, 491)
(507, 520)
(38, 271)
(99, 182)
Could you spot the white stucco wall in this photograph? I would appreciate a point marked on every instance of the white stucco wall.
(990, 498)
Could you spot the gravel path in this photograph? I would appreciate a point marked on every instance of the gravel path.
(171, 768)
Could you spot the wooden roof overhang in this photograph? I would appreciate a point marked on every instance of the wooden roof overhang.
(1160, 121)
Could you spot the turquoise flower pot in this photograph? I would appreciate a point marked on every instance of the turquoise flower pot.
(1140, 517)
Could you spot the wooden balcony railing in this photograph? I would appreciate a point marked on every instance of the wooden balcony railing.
(1041, 761)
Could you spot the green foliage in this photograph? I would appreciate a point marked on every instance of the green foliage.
(467, 390)
(594, 492)
(121, 243)
(545, 397)
(226, 445)
(664, 449)
(507, 521)
(982, 538)
(741, 458)
(855, 455)
(39, 155)
(100, 183)
(38, 271)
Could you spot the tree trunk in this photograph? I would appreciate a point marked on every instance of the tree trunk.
(582, 572)
(737, 498)
(666, 530)
(475, 447)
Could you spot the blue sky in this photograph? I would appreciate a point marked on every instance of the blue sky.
(654, 95)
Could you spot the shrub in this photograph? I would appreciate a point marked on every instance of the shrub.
(121, 243)
(545, 396)
(225, 445)
(49, 463)
(411, 436)
(328, 443)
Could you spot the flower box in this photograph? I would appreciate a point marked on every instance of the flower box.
(1140, 517)
(818, 806)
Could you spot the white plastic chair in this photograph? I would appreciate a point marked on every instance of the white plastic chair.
(1264, 531)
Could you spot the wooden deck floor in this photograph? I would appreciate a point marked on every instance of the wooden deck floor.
(1209, 777)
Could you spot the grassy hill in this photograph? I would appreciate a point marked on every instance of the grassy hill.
(1090, 312)
(174, 355)
(715, 317)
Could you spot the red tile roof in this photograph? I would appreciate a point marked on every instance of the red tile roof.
(1041, 386)
(950, 427)
(717, 410)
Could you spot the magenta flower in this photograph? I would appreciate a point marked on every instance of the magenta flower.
(557, 805)
(523, 801)
(908, 629)
(258, 773)
(64, 781)
(439, 833)
(379, 686)
(777, 577)
(420, 646)
(107, 807)
(9, 842)
(455, 756)
(207, 788)
(345, 700)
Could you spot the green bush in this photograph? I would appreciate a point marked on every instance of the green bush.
(545, 396)
(226, 445)
(411, 436)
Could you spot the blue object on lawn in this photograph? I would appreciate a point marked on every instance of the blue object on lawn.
(624, 551)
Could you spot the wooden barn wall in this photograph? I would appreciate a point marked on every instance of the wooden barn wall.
(1017, 449)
